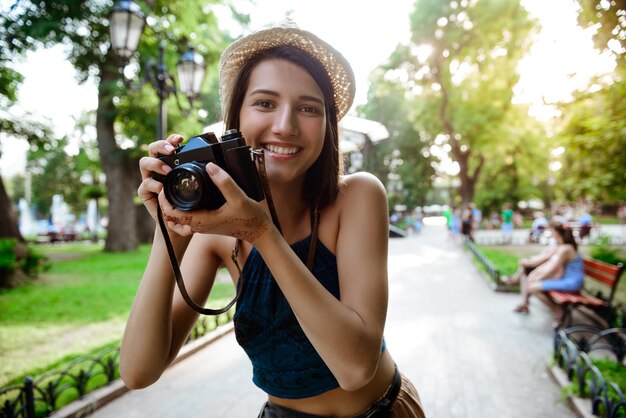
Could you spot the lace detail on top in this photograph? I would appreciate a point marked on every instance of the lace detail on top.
(285, 364)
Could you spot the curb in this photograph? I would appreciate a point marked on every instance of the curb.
(100, 397)
(580, 406)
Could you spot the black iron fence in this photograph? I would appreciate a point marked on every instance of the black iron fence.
(40, 396)
(491, 270)
(571, 351)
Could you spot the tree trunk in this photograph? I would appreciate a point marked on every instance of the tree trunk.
(119, 169)
(145, 223)
(8, 220)
(9, 229)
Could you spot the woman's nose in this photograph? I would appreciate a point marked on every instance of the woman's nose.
(286, 123)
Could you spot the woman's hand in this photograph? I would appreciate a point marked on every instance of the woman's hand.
(149, 188)
(240, 217)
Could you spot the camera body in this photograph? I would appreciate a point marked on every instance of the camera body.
(189, 187)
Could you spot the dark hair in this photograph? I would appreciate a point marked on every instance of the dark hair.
(321, 185)
(566, 233)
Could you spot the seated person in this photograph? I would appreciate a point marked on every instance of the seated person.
(528, 264)
(562, 271)
(540, 223)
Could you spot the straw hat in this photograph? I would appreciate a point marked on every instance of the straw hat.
(287, 33)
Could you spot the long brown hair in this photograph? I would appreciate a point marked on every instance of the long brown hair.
(566, 233)
(321, 185)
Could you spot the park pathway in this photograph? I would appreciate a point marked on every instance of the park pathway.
(468, 354)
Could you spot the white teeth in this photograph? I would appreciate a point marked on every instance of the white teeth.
(280, 150)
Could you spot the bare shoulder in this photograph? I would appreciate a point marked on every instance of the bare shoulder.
(362, 198)
(361, 185)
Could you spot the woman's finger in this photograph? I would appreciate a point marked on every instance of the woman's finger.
(148, 165)
(224, 183)
(164, 147)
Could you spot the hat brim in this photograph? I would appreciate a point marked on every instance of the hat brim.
(336, 66)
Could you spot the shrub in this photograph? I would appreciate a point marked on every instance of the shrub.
(602, 250)
(8, 258)
(18, 261)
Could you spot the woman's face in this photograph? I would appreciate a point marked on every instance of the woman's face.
(283, 112)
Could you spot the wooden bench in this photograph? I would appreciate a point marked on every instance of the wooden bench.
(596, 272)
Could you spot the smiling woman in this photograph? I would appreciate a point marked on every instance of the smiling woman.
(312, 291)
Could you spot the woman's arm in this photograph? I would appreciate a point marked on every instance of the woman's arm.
(540, 258)
(553, 268)
(160, 319)
(347, 333)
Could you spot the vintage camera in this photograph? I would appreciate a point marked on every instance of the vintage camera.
(189, 187)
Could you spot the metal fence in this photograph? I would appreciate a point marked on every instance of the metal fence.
(40, 396)
(571, 351)
(490, 269)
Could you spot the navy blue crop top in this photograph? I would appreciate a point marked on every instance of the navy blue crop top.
(284, 362)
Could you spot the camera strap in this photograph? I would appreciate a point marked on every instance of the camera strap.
(259, 157)
(179, 277)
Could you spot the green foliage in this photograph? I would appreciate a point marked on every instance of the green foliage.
(18, 258)
(592, 132)
(458, 73)
(602, 250)
(610, 33)
(505, 262)
(404, 154)
(610, 370)
(520, 170)
(8, 258)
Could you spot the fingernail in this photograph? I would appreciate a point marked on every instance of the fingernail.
(169, 148)
(213, 168)
(166, 168)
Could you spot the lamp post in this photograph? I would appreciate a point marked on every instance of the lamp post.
(126, 24)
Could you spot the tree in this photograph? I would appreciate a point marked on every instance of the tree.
(460, 67)
(13, 126)
(121, 116)
(521, 170)
(592, 133)
(591, 128)
(610, 34)
(404, 154)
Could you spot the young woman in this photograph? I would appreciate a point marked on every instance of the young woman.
(563, 270)
(314, 334)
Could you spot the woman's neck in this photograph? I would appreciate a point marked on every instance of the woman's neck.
(292, 211)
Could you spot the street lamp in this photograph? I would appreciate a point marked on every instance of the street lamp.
(126, 24)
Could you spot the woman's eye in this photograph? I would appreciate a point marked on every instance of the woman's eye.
(309, 109)
(264, 104)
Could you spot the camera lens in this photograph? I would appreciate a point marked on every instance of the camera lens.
(185, 186)
(188, 187)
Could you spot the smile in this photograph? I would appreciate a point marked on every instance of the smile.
(276, 149)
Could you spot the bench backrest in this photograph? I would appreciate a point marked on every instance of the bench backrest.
(605, 273)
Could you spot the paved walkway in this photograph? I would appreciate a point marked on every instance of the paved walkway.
(460, 343)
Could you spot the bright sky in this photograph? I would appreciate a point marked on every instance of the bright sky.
(365, 32)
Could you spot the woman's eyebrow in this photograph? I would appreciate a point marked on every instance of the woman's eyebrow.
(263, 91)
(276, 94)
(312, 99)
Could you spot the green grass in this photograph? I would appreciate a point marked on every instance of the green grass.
(504, 261)
(611, 371)
(78, 306)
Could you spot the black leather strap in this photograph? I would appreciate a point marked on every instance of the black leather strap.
(179, 278)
